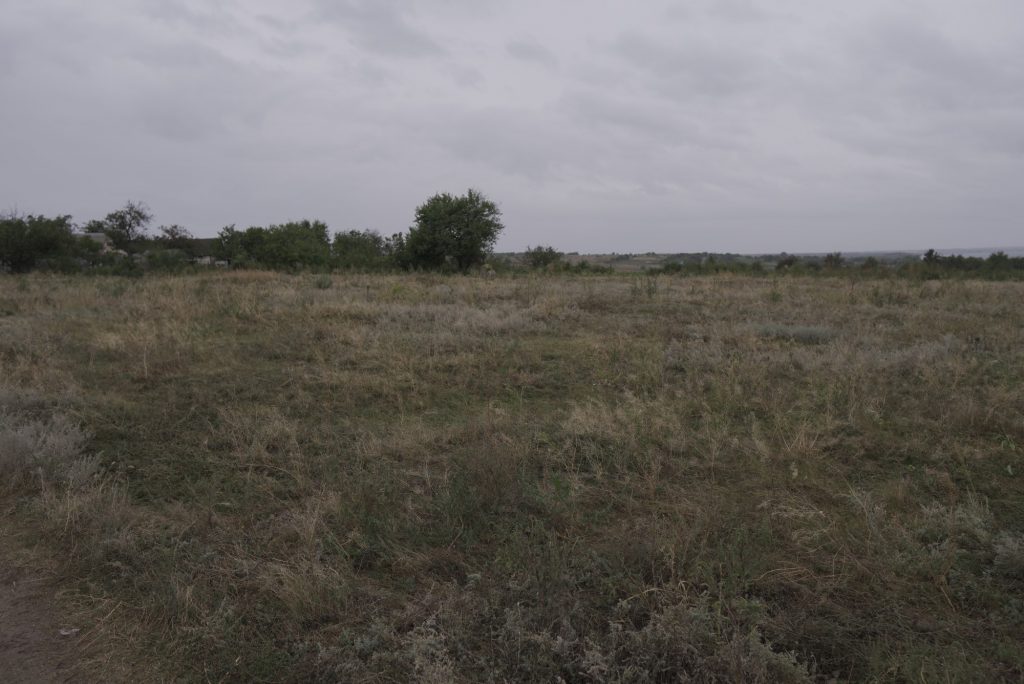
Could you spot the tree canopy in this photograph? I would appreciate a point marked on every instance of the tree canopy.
(453, 231)
(288, 245)
(25, 241)
(127, 225)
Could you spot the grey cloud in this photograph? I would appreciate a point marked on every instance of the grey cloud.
(690, 66)
(732, 11)
(594, 108)
(741, 11)
(234, 20)
(532, 51)
(195, 91)
(183, 125)
(179, 56)
(513, 141)
(921, 66)
(9, 48)
(467, 76)
(205, 19)
(657, 121)
(380, 26)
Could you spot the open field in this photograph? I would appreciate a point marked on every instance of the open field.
(263, 477)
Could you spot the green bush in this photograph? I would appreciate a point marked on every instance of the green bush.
(294, 245)
(26, 241)
(354, 249)
(542, 257)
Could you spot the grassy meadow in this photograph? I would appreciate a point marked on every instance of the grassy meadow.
(256, 477)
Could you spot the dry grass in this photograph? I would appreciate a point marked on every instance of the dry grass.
(258, 477)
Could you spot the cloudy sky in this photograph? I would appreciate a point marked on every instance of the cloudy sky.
(720, 125)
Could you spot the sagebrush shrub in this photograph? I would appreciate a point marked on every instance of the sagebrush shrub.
(36, 446)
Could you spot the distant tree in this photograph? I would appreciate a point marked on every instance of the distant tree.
(396, 252)
(931, 257)
(25, 241)
(176, 237)
(786, 262)
(228, 245)
(298, 244)
(127, 226)
(453, 232)
(998, 261)
(542, 257)
(95, 226)
(359, 249)
(834, 260)
(670, 268)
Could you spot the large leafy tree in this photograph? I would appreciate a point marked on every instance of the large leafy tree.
(453, 232)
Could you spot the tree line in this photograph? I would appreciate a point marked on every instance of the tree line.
(930, 266)
(450, 233)
(454, 233)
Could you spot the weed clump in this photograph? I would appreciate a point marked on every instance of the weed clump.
(39, 447)
(1009, 555)
(803, 334)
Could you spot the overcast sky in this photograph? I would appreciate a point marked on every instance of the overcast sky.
(720, 125)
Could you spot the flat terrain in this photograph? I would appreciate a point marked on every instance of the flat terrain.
(259, 477)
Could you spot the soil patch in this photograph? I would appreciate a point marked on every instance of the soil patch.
(32, 647)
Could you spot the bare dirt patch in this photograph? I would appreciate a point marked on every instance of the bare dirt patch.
(32, 648)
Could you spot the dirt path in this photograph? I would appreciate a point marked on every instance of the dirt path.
(32, 650)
